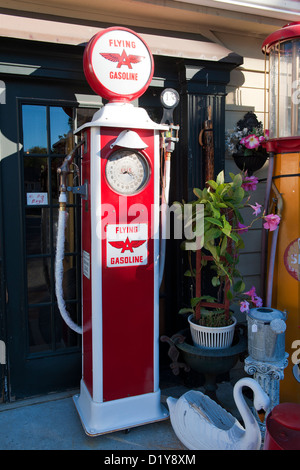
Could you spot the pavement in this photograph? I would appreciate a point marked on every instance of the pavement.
(52, 423)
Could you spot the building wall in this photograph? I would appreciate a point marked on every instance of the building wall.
(245, 92)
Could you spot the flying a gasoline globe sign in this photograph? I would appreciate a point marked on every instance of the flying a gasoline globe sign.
(118, 64)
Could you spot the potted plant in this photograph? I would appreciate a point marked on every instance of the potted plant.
(246, 143)
(219, 247)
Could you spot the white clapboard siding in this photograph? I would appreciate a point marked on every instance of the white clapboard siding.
(245, 92)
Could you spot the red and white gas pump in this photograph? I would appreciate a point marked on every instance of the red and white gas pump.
(120, 177)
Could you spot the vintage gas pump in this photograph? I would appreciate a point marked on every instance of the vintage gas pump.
(283, 50)
(121, 258)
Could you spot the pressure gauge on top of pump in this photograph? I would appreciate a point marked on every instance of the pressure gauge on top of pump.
(169, 98)
(127, 171)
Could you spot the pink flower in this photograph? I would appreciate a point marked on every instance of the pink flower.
(257, 301)
(251, 292)
(249, 183)
(242, 228)
(251, 141)
(272, 220)
(244, 306)
(256, 208)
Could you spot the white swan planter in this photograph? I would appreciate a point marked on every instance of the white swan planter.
(202, 424)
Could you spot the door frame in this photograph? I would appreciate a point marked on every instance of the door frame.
(28, 374)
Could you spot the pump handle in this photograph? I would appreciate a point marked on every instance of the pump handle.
(64, 169)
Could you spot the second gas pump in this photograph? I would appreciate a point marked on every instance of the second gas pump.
(121, 247)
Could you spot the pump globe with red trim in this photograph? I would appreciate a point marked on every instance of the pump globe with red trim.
(118, 64)
(283, 50)
(289, 31)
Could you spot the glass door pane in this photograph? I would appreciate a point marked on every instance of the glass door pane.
(34, 121)
(47, 138)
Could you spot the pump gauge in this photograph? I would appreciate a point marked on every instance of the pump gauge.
(169, 98)
(127, 171)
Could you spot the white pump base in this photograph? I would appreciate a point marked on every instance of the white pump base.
(104, 417)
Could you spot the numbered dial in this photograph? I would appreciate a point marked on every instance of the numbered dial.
(169, 98)
(127, 171)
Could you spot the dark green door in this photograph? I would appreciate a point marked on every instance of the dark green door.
(44, 355)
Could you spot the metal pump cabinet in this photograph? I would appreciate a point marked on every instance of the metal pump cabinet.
(120, 241)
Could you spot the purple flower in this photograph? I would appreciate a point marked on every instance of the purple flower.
(251, 292)
(249, 183)
(257, 301)
(256, 208)
(242, 228)
(244, 306)
(272, 220)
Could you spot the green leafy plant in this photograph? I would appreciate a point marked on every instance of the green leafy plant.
(221, 241)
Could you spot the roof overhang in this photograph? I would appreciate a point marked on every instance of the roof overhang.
(58, 32)
(288, 10)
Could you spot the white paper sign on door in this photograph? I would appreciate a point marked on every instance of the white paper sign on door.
(37, 199)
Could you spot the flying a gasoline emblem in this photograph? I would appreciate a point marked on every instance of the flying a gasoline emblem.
(126, 245)
(122, 59)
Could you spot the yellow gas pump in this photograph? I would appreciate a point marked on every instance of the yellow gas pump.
(282, 48)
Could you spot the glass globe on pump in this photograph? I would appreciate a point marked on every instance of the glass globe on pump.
(283, 49)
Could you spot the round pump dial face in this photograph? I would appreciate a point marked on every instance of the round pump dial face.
(169, 98)
(127, 171)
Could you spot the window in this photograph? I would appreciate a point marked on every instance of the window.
(47, 137)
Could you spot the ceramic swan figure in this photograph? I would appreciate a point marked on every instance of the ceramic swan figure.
(201, 424)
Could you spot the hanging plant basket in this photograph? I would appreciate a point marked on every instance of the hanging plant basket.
(212, 337)
(250, 163)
